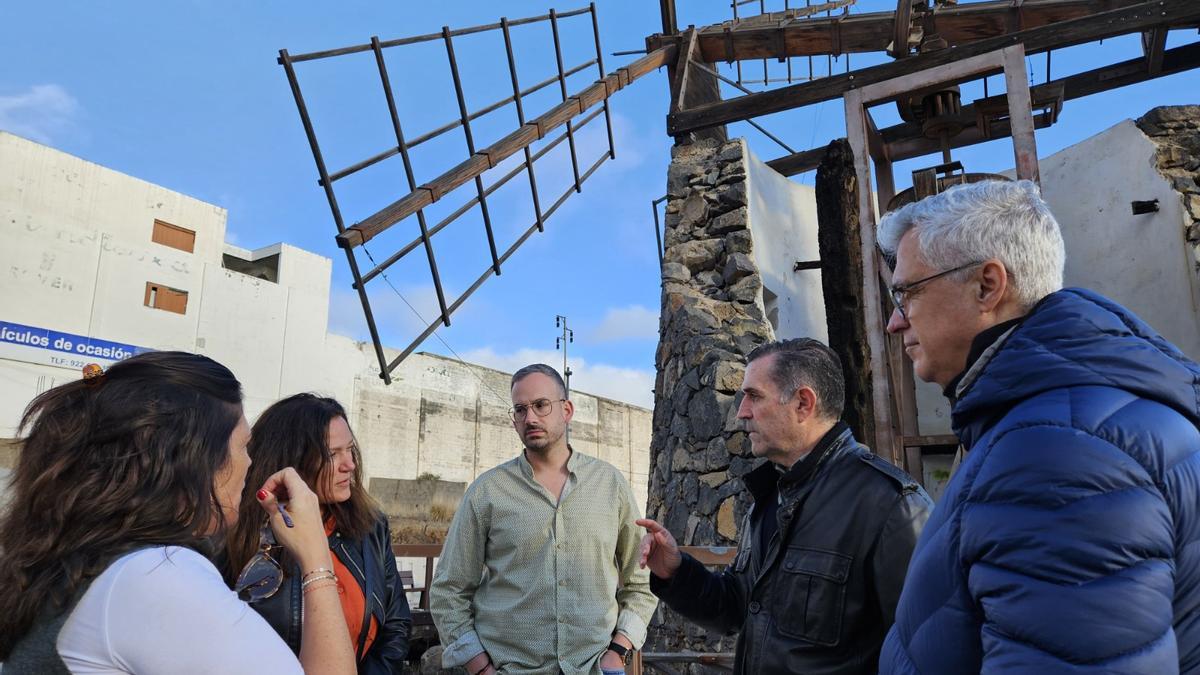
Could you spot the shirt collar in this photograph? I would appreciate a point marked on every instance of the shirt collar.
(527, 468)
(985, 339)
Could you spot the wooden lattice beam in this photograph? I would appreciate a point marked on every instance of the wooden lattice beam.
(1131, 19)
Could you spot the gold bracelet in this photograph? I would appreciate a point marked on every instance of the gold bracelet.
(328, 584)
(321, 577)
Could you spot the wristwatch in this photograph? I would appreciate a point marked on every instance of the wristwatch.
(621, 650)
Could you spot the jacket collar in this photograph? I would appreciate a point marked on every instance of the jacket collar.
(987, 343)
(765, 480)
(1072, 338)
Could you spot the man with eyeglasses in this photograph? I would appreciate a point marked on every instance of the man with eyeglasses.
(539, 572)
(1068, 540)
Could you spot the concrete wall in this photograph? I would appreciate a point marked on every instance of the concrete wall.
(76, 258)
(783, 220)
(422, 498)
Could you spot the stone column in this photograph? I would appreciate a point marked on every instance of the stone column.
(712, 316)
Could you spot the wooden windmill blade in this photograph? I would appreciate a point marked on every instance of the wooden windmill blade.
(574, 112)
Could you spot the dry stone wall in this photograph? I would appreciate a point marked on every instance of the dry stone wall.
(712, 316)
(1176, 132)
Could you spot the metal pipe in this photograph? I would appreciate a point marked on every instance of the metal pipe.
(512, 70)
(429, 37)
(657, 234)
(466, 125)
(306, 121)
(449, 126)
(751, 122)
(408, 174)
(612, 150)
(381, 267)
(562, 85)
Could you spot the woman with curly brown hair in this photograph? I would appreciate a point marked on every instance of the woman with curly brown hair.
(312, 434)
(124, 482)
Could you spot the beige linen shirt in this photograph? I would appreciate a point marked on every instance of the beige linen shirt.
(542, 586)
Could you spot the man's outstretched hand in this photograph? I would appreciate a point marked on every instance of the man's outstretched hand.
(659, 551)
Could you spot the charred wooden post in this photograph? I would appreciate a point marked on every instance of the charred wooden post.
(840, 244)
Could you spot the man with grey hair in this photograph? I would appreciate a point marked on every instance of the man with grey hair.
(539, 572)
(823, 550)
(1068, 540)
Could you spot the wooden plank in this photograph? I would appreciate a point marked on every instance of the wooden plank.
(1133, 19)
(1154, 41)
(711, 555)
(919, 146)
(667, 9)
(682, 69)
(423, 196)
(1020, 115)
(915, 83)
(926, 441)
(873, 31)
(790, 165)
(856, 134)
(905, 141)
(417, 550)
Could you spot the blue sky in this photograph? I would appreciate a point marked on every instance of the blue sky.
(188, 95)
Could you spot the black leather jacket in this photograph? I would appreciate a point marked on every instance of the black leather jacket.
(371, 562)
(821, 597)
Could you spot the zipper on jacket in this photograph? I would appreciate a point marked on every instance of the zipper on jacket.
(366, 626)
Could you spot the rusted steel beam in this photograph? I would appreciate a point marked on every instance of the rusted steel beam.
(497, 152)
(1132, 19)
(905, 141)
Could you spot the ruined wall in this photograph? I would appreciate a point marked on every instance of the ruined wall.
(712, 316)
(1175, 130)
(1147, 261)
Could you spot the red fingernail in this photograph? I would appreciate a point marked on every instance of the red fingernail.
(262, 494)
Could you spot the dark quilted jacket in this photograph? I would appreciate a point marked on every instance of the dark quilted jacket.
(1069, 539)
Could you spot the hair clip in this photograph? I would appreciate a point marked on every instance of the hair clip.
(92, 372)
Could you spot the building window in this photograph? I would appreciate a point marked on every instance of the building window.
(163, 297)
(174, 236)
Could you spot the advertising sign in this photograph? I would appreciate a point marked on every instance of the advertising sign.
(64, 350)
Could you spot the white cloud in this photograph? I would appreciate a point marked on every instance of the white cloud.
(39, 113)
(626, 323)
(629, 385)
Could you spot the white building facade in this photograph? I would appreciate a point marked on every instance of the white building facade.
(98, 265)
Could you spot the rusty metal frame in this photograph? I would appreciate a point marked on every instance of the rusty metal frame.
(421, 195)
(893, 392)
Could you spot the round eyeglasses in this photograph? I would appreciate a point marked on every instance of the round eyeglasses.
(540, 407)
(263, 575)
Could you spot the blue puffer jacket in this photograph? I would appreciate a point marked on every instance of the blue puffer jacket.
(1069, 539)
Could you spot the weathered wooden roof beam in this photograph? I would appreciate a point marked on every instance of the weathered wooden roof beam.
(1132, 19)
(873, 32)
(905, 141)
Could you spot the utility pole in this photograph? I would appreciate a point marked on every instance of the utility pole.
(561, 342)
